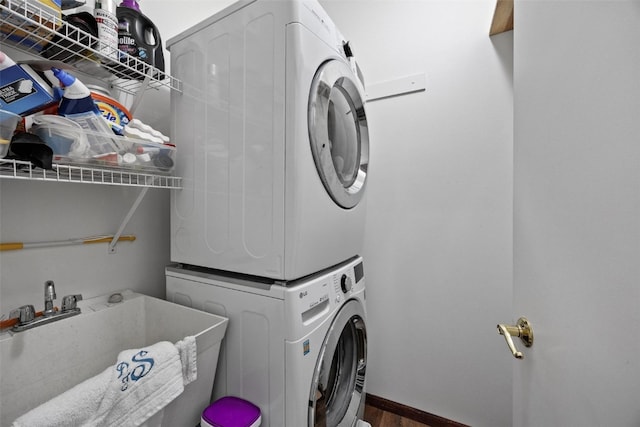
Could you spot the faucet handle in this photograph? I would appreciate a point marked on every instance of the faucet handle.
(69, 302)
(26, 314)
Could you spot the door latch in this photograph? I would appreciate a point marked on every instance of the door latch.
(521, 329)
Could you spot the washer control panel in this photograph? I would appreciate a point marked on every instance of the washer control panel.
(314, 299)
(347, 280)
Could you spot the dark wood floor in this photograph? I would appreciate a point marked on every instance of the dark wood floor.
(380, 418)
(381, 412)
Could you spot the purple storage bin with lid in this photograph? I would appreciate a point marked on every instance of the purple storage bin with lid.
(231, 411)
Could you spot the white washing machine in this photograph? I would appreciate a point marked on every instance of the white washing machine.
(272, 142)
(299, 352)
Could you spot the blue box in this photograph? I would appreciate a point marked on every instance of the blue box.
(24, 92)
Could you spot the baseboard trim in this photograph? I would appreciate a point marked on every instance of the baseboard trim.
(411, 413)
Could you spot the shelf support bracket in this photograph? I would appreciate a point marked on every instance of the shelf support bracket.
(127, 218)
(139, 93)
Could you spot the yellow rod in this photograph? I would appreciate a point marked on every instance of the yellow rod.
(14, 246)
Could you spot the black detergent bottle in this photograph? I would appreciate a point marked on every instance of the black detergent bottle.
(138, 37)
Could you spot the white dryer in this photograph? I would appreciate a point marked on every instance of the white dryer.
(272, 142)
(298, 352)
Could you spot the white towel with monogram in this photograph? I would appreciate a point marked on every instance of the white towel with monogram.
(142, 382)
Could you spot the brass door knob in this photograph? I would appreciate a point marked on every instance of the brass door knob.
(521, 329)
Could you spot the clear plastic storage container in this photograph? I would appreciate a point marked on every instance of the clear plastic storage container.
(76, 146)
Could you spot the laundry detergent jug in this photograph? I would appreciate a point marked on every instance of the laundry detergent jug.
(138, 37)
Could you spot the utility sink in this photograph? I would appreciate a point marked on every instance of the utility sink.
(41, 363)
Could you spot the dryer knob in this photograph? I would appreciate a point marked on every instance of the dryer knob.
(345, 283)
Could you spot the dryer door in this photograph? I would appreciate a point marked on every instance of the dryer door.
(338, 132)
(337, 390)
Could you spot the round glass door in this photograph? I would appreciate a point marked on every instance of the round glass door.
(339, 133)
(337, 390)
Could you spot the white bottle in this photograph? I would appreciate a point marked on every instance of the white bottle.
(105, 14)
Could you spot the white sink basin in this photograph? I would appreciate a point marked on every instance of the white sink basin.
(41, 363)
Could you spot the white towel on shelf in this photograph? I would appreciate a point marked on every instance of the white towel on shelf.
(142, 382)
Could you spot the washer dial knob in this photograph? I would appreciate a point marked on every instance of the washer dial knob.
(345, 283)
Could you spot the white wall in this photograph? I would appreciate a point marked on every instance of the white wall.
(438, 247)
(438, 240)
(44, 211)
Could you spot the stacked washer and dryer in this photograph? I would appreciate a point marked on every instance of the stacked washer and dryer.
(268, 227)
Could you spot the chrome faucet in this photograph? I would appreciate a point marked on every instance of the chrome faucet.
(49, 297)
(28, 319)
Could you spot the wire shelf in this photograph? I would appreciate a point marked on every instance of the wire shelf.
(18, 169)
(40, 32)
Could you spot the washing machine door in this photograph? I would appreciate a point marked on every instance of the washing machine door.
(339, 133)
(337, 390)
